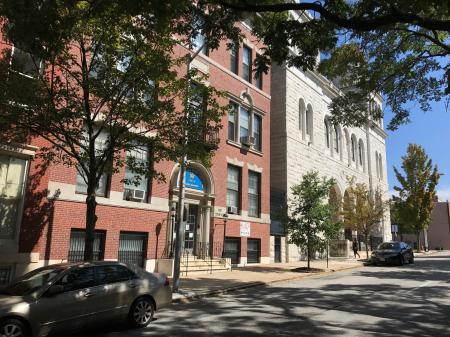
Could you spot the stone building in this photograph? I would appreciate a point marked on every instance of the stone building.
(303, 139)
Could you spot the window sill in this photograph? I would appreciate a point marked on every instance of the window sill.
(246, 148)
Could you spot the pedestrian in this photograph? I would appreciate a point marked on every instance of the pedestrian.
(355, 248)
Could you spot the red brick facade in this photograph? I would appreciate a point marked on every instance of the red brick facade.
(47, 222)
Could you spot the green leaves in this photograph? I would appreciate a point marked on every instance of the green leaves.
(311, 222)
(417, 188)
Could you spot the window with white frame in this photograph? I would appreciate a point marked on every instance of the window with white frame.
(234, 187)
(247, 64)
(254, 194)
(198, 41)
(12, 180)
(136, 184)
(257, 127)
(81, 181)
(243, 123)
(232, 120)
(234, 58)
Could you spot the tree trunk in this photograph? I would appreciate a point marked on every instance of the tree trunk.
(367, 246)
(425, 239)
(418, 240)
(308, 255)
(91, 220)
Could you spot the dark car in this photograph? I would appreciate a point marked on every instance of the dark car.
(393, 252)
(64, 297)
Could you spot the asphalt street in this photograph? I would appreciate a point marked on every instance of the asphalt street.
(412, 300)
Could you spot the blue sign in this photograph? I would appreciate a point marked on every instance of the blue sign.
(193, 181)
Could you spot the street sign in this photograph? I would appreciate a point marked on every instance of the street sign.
(394, 228)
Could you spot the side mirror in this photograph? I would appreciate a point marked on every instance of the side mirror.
(55, 290)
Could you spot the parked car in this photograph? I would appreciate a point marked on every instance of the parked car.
(64, 297)
(393, 252)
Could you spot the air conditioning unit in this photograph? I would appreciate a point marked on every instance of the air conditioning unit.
(138, 194)
(249, 140)
(232, 210)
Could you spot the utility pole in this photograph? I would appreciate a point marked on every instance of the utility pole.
(181, 192)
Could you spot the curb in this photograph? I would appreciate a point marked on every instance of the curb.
(194, 297)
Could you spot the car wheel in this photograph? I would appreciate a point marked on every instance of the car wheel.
(401, 260)
(141, 312)
(11, 327)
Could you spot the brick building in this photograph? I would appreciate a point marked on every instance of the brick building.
(43, 209)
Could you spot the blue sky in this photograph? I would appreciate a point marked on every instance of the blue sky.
(431, 130)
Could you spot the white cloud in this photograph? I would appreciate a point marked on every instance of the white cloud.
(444, 193)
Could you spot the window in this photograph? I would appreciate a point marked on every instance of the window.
(309, 123)
(253, 250)
(259, 80)
(25, 63)
(254, 183)
(79, 278)
(233, 187)
(81, 187)
(353, 149)
(133, 248)
(380, 165)
(247, 64)
(113, 273)
(77, 242)
(232, 119)
(361, 154)
(136, 184)
(244, 124)
(327, 134)
(336, 138)
(199, 39)
(257, 121)
(12, 180)
(234, 58)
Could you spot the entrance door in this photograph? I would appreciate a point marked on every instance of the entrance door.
(191, 228)
(277, 249)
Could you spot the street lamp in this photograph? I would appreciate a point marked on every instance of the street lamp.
(173, 212)
(225, 219)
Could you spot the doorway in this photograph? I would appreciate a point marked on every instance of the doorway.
(277, 249)
(191, 225)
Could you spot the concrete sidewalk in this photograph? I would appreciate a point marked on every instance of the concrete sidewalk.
(201, 285)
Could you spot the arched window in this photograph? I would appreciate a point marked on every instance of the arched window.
(381, 166)
(377, 163)
(336, 138)
(327, 133)
(361, 154)
(302, 118)
(353, 148)
(309, 124)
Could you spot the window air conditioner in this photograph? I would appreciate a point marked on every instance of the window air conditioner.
(232, 210)
(249, 140)
(138, 194)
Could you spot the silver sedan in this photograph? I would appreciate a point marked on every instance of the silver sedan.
(70, 296)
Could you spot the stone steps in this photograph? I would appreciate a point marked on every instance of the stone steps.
(196, 265)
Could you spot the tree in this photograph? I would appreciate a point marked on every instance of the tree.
(416, 190)
(363, 209)
(100, 79)
(368, 47)
(310, 222)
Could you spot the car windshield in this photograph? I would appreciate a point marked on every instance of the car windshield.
(32, 281)
(389, 245)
